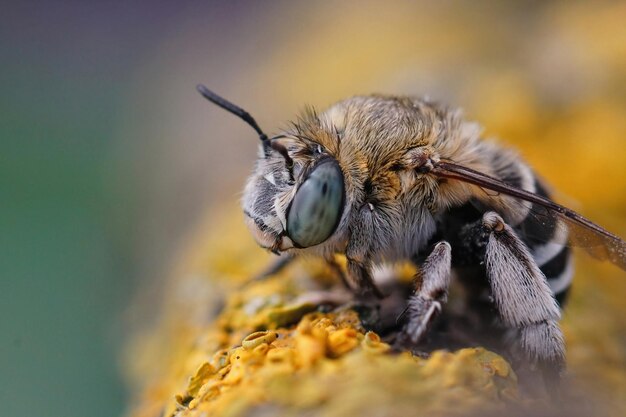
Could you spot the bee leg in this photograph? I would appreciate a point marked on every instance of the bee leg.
(523, 298)
(358, 273)
(276, 266)
(425, 304)
(332, 263)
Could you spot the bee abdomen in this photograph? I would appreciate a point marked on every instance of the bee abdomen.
(559, 272)
(541, 233)
(546, 238)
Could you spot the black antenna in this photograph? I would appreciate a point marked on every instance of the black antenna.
(245, 116)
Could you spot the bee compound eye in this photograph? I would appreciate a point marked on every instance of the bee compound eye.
(317, 206)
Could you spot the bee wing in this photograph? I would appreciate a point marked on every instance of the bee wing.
(597, 241)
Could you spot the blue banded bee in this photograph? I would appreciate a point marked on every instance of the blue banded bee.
(386, 178)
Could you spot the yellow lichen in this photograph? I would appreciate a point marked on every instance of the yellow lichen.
(200, 378)
(326, 362)
(342, 341)
(256, 339)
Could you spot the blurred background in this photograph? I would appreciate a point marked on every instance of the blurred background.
(110, 160)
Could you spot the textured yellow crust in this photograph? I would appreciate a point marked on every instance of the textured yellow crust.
(269, 352)
(328, 363)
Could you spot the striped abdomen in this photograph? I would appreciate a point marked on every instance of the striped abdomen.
(541, 233)
(547, 240)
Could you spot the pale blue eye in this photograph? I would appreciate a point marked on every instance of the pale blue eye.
(316, 209)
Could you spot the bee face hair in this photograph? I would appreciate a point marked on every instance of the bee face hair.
(379, 144)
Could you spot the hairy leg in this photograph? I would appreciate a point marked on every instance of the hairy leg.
(523, 297)
(361, 279)
(284, 260)
(332, 263)
(425, 304)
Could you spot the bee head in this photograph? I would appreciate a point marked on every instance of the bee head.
(289, 202)
(295, 206)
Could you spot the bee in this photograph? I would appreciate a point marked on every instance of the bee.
(384, 179)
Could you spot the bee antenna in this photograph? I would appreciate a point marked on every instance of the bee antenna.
(245, 116)
(232, 108)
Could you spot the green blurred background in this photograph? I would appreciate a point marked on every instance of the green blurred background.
(109, 159)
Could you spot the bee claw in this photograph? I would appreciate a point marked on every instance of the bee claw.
(422, 313)
(401, 316)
